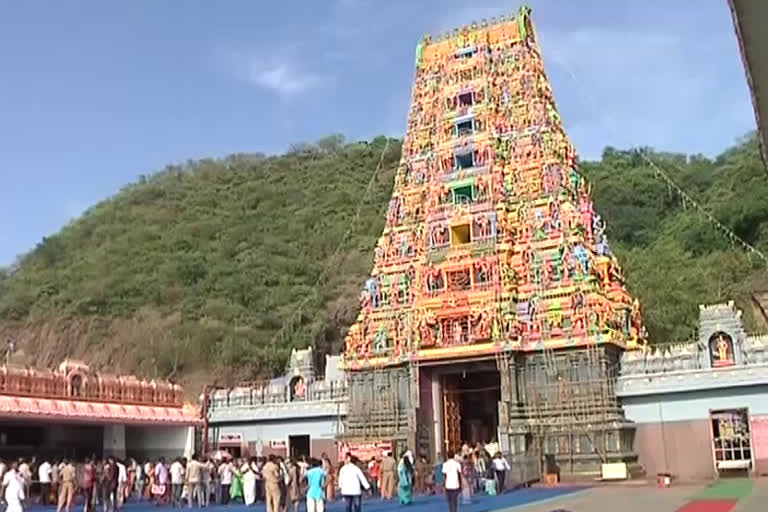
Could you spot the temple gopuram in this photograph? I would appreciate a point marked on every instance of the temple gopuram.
(495, 309)
(73, 411)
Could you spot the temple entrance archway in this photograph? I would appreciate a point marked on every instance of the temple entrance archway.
(470, 396)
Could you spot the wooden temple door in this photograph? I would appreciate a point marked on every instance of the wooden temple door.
(451, 418)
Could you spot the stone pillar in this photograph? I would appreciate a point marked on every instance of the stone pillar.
(437, 409)
(514, 394)
(114, 441)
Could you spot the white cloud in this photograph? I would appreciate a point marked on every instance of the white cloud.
(281, 74)
(284, 78)
(627, 88)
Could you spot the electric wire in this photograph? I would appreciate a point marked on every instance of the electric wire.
(288, 324)
(659, 173)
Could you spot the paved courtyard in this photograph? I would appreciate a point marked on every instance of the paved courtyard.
(739, 495)
(742, 495)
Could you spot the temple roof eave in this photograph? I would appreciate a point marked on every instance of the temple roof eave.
(687, 381)
(51, 409)
(282, 411)
(748, 20)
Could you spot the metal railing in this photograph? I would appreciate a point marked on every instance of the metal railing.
(318, 391)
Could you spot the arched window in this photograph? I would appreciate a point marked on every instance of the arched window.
(721, 349)
(298, 389)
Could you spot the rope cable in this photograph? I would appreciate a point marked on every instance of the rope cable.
(686, 199)
(350, 228)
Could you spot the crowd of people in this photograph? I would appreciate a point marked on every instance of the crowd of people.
(469, 471)
(281, 483)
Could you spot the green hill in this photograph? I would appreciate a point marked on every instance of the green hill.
(190, 273)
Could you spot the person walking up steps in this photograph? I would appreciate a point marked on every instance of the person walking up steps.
(352, 481)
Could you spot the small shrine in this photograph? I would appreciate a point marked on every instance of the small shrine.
(701, 407)
(297, 413)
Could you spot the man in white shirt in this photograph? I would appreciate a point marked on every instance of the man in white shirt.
(44, 473)
(26, 475)
(3, 469)
(206, 470)
(161, 482)
(452, 472)
(352, 481)
(177, 482)
(195, 481)
(225, 475)
(122, 481)
(13, 483)
(500, 468)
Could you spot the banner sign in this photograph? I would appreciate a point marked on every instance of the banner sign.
(230, 439)
(364, 451)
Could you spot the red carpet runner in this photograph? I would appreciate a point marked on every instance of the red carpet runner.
(708, 506)
(721, 496)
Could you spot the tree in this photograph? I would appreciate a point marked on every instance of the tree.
(195, 270)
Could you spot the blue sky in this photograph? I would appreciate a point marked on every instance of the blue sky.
(94, 93)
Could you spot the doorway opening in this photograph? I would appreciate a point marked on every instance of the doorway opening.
(298, 446)
(731, 441)
(471, 407)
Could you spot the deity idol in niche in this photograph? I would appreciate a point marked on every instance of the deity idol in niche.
(721, 349)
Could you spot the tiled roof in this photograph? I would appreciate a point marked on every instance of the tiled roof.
(81, 411)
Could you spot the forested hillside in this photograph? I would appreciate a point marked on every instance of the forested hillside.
(190, 273)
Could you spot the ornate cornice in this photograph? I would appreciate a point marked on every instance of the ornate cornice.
(684, 381)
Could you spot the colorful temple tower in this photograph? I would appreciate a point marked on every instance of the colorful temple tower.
(494, 293)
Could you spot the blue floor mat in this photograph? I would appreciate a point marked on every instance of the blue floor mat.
(480, 503)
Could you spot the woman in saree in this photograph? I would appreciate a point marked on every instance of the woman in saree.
(149, 471)
(467, 479)
(330, 478)
(248, 471)
(236, 489)
(405, 480)
(294, 478)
